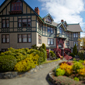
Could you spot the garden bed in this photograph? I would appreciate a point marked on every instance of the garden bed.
(68, 73)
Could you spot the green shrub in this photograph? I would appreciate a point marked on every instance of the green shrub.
(27, 64)
(52, 54)
(81, 55)
(41, 52)
(81, 61)
(60, 72)
(76, 79)
(19, 54)
(75, 50)
(43, 46)
(77, 66)
(7, 63)
(34, 47)
(72, 54)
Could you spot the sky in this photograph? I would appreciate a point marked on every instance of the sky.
(71, 11)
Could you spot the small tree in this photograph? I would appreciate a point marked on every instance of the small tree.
(75, 50)
(43, 46)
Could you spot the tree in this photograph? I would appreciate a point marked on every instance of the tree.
(43, 46)
(82, 42)
(75, 50)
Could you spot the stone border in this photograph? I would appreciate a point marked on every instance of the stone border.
(10, 75)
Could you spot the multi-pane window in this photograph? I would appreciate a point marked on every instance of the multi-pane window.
(5, 38)
(50, 41)
(24, 38)
(61, 30)
(48, 19)
(50, 30)
(76, 43)
(75, 35)
(16, 6)
(39, 39)
(24, 22)
(5, 23)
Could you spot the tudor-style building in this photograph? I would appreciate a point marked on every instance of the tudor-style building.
(22, 27)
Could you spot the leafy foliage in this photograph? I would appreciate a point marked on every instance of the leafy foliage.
(76, 79)
(52, 54)
(75, 50)
(27, 64)
(77, 66)
(81, 72)
(81, 55)
(60, 72)
(7, 63)
(43, 46)
(72, 54)
(67, 68)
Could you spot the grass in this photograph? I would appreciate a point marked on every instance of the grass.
(49, 61)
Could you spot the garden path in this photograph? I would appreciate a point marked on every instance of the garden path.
(37, 78)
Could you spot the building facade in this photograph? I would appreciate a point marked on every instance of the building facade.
(22, 27)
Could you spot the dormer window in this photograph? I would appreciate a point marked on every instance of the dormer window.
(48, 20)
(16, 6)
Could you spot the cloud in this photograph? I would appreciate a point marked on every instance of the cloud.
(68, 10)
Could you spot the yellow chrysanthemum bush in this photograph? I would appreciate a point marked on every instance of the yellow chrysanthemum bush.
(67, 68)
(81, 72)
(27, 64)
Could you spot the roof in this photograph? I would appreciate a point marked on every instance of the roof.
(48, 15)
(74, 28)
(52, 24)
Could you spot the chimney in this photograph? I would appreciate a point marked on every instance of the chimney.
(37, 10)
(62, 20)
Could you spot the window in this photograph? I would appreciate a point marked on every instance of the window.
(5, 23)
(61, 30)
(40, 26)
(5, 38)
(50, 30)
(16, 6)
(50, 41)
(24, 38)
(3, 50)
(29, 38)
(48, 20)
(39, 39)
(76, 43)
(24, 22)
(75, 35)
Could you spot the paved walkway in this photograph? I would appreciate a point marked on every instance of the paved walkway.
(37, 78)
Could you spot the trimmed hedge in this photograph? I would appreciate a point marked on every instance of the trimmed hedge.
(7, 63)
